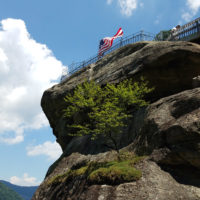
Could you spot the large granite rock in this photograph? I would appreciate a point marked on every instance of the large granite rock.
(154, 184)
(169, 66)
(167, 131)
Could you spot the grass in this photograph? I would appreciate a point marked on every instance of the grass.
(112, 173)
(68, 175)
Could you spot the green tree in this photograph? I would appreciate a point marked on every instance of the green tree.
(94, 110)
(162, 35)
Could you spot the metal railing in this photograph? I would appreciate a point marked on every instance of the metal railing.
(137, 37)
(187, 32)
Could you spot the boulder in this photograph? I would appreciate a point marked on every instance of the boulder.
(167, 132)
(170, 130)
(168, 66)
(154, 184)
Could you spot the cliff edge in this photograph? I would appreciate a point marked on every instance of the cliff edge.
(167, 132)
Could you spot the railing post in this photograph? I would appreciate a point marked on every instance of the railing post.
(198, 28)
(142, 35)
(83, 64)
(72, 66)
(121, 42)
(64, 74)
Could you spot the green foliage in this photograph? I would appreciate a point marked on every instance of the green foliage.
(114, 172)
(92, 110)
(8, 194)
(162, 35)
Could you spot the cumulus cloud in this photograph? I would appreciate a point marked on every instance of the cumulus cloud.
(193, 7)
(27, 68)
(50, 149)
(157, 20)
(26, 180)
(109, 1)
(127, 6)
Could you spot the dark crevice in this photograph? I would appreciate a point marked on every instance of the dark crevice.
(183, 174)
(185, 106)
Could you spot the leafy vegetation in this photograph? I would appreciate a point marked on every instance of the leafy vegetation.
(8, 194)
(114, 172)
(92, 110)
(162, 35)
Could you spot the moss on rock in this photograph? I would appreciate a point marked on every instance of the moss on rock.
(113, 172)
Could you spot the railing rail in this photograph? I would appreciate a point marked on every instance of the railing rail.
(186, 32)
(139, 36)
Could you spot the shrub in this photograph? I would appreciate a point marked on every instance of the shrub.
(92, 110)
(113, 172)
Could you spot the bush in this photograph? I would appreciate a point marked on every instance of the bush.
(114, 172)
(92, 110)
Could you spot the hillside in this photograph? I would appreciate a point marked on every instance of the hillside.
(25, 192)
(8, 194)
(160, 143)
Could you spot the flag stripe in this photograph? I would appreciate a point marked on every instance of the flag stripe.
(119, 33)
(107, 42)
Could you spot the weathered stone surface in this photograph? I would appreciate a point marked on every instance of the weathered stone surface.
(154, 184)
(168, 130)
(169, 66)
(171, 127)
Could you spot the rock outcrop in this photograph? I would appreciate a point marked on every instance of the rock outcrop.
(168, 66)
(167, 131)
(174, 123)
(154, 184)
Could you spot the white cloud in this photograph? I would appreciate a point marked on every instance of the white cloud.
(27, 68)
(193, 7)
(157, 20)
(127, 6)
(109, 2)
(187, 16)
(50, 149)
(24, 181)
(141, 4)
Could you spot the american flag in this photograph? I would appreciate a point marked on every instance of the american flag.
(107, 42)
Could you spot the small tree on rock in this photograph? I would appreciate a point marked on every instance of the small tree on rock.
(94, 110)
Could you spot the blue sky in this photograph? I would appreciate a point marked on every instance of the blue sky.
(40, 38)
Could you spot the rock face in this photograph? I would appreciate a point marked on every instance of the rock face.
(172, 123)
(169, 66)
(154, 184)
(167, 131)
(170, 134)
